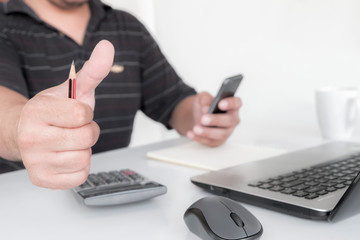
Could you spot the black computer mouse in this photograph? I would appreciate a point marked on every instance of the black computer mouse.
(218, 217)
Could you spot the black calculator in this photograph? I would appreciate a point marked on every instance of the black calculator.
(117, 187)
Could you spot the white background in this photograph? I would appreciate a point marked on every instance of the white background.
(285, 49)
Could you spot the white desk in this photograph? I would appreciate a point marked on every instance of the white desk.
(29, 212)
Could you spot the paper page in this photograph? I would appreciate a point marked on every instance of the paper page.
(196, 155)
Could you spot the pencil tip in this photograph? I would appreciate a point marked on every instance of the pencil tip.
(72, 73)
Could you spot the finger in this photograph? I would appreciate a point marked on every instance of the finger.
(220, 134)
(231, 103)
(76, 138)
(42, 177)
(203, 140)
(202, 102)
(95, 69)
(58, 111)
(68, 139)
(71, 180)
(229, 119)
(63, 162)
(71, 161)
(204, 99)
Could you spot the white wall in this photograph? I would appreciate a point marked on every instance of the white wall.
(142, 9)
(285, 49)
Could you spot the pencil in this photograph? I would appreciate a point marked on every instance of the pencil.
(72, 81)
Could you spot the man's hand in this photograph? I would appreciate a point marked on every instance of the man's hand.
(55, 133)
(214, 129)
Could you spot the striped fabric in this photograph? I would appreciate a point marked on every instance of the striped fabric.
(35, 56)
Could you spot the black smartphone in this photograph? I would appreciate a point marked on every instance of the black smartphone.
(227, 89)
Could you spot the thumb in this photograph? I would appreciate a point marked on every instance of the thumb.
(204, 100)
(94, 71)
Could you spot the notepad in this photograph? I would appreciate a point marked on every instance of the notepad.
(193, 154)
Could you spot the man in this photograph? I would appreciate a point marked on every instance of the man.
(55, 136)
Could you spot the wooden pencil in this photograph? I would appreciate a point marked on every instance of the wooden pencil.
(72, 81)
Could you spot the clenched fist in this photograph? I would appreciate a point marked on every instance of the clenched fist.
(55, 133)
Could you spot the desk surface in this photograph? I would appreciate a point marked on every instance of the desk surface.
(30, 212)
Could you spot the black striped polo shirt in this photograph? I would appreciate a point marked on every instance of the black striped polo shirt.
(35, 56)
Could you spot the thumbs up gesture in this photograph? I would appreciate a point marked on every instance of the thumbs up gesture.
(55, 133)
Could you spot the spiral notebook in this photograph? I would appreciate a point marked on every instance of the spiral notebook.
(193, 154)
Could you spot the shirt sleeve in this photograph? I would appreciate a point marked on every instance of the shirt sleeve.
(162, 88)
(11, 75)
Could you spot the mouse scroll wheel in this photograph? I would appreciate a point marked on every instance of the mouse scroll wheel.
(237, 219)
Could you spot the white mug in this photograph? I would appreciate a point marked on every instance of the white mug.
(337, 109)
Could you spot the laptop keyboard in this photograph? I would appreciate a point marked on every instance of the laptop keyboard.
(312, 182)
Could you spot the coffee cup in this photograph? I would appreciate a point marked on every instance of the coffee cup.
(337, 111)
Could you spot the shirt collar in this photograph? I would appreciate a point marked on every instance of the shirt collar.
(19, 6)
(98, 13)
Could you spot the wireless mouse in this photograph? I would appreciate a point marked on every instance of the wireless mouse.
(218, 217)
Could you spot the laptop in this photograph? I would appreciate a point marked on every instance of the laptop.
(320, 183)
